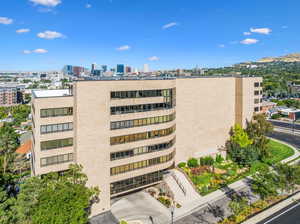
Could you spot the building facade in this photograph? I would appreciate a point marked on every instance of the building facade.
(11, 94)
(127, 133)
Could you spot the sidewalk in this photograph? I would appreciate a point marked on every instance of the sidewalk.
(261, 216)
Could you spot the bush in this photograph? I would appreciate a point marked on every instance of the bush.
(276, 116)
(192, 162)
(219, 158)
(182, 165)
(165, 201)
(206, 161)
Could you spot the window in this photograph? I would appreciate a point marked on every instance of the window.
(135, 182)
(59, 143)
(256, 84)
(140, 93)
(141, 136)
(256, 109)
(141, 122)
(140, 164)
(47, 161)
(256, 92)
(141, 150)
(55, 112)
(256, 101)
(51, 128)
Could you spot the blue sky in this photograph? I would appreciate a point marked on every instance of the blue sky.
(166, 34)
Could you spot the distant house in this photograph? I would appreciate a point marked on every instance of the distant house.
(25, 149)
(266, 106)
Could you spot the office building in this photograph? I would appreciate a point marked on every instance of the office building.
(127, 132)
(104, 68)
(11, 94)
(120, 69)
(68, 70)
(93, 68)
(128, 69)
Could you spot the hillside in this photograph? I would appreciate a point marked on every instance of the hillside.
(286, 58)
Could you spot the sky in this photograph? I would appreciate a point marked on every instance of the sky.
(166, 34)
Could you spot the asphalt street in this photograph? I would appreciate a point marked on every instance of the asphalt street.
(291, 139)
(288, 215)
(285, 124)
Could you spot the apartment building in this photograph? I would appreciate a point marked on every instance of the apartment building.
(11, 94)
(127, 133)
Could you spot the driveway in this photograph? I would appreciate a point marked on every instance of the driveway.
(139, 207)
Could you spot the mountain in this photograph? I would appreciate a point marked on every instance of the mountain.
(287, 58)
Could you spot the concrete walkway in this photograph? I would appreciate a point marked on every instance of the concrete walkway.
(261, 216)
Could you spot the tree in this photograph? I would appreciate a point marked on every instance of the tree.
(8, 144)
(257, 130)
(243, 156)
(240, 137)
(265, 183)
(288, 176)
(56, 198)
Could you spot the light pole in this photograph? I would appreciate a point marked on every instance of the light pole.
(172, 209)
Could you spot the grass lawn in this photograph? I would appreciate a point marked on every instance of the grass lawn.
(278, 152)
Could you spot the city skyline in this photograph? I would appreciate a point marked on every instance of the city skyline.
(167, 35)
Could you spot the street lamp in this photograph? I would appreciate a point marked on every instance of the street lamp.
(172, 209)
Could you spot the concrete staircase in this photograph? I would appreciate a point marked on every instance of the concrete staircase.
(183, 191)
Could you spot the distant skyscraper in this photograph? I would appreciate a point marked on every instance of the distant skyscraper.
(68, 70)
(128, 69)
(146, 68)
(104, 68)
(120, 69)
(93, 68)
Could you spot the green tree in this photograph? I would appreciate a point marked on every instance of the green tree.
(257, 130)
(240, 137)
(56, 198)
(265, 183)
(8, 144)
(288, 176)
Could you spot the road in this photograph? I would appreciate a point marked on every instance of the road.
(291, 139)
(285, 124)
(288, 215)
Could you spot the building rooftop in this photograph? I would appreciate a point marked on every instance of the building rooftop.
(51, 93)
(168, 77)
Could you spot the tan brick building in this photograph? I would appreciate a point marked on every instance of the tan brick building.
(126, 133)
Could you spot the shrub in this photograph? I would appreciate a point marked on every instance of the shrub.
(275, 116)
(192, 162)
(164, 201)
(182, 165)
(206, 161)
(219, 158)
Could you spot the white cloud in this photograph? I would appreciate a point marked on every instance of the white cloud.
(26, 52)
(22, 30)
(88, 6)
(169, 25)
(265, 31)
(50, 35)
(249, 41)
(221, 45)
(247, 33)
(40, 51)
(123, 48)
(6, 21)
(153, 58)
(37, 51)
(48, 3)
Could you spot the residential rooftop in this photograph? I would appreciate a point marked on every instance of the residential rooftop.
(51, 93)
